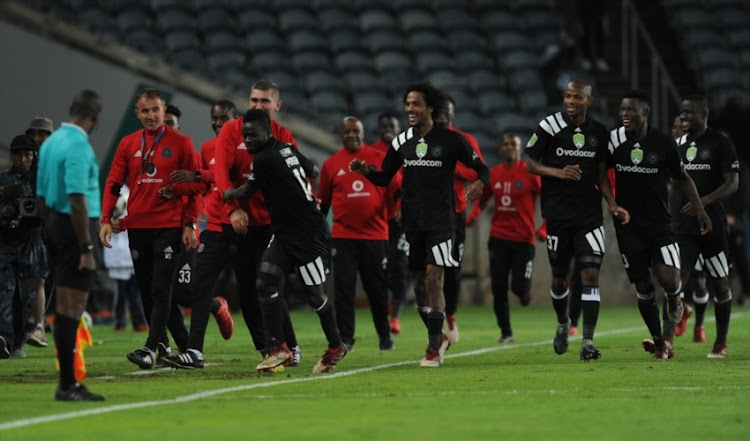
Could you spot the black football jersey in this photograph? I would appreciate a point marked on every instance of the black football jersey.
(557, 143)
(427, 197)
(643, 170)
(280, 171)
(706, 158)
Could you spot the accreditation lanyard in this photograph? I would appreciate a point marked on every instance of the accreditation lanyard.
(146, 165)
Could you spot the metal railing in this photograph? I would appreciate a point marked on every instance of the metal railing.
(637, 48)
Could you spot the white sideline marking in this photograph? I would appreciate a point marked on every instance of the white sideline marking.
(197, 396)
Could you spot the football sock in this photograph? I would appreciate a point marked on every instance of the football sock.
(328, 322)
(64, 330)
(700, 302)
(423, 310)
(273, 319)
(650, 313)
(590, 307)
(435, 319)
(722, 311)
(560, 303)
(289, 334)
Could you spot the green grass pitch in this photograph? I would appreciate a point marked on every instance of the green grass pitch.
(484, 390)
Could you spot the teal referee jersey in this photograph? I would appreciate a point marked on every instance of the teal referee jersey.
(68, 165)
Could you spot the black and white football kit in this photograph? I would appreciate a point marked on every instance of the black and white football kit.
(573, 209)
(706, 158)
(643, 170)
(427, 198)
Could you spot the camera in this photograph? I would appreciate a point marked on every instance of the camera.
(18, 202)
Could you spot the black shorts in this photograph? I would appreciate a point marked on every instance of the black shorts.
(565, 240)
(65, 253)
(310, 258)
(641, 248)
(514, 258)
(430, 247)
(713, 247)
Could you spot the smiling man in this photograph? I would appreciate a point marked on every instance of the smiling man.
(565, 150)
(428, 154)
(645, 160)
(360, 231)
(711, 161)
(157, 227)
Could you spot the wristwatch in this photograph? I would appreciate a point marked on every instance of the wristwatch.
(87, 247)
(198, 176)
(190, 225)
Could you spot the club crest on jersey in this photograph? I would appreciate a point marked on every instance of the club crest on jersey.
(421, 150)
(636, 155)
(518, 185)
(692, 152)
(166, 152)
(437, 151)
(579, 140)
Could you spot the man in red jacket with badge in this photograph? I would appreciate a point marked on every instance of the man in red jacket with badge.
(157, 227)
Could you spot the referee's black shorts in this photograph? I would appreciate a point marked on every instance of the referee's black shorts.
(65, 253)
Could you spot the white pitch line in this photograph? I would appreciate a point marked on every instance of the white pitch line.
(211, 393)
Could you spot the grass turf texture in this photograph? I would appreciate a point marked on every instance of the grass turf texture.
(484, 390)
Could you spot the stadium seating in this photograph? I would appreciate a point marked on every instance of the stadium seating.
(358, 56)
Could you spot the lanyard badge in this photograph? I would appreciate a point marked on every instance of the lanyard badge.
(147, 166)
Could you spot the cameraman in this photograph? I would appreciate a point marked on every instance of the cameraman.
(21, 246)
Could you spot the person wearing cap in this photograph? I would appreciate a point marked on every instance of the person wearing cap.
(68, 186)
(40, 128)
(21, 246)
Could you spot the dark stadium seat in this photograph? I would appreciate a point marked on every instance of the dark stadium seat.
(519, 59)
(392, 60)
(432, 60)
(733, 19)
(296, 19)
(377, 19)
(319, 81)
(417, 20)
(425, 40)
(493, 102)
(352, 61)
(221, 40)
(470, 60)
(702, 38)
(214, 19)
(481, 81)
(311, 61)
(161, 6)
(462, 40)
(174, 20)
(533, 101)
(446, 78)
(257, 40)
(337, 19)
(131, 20)
(536, 20)
(179, 40)
(369, 102)
(329, 101)
(482, 7)
(523, 80)
(711, 58)
(722, 78)
(256, 19)
(269, 61)
(500, 21)
(513, 122)
(739, 39)
(220, 61)
(383, 41)
(303, 40)
(509, 41)
(455, 19)
(361, 80)
(345, 40)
